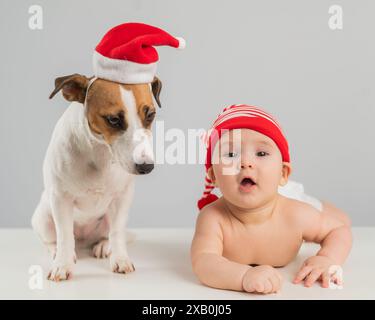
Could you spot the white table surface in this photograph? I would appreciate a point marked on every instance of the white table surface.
(163, 271)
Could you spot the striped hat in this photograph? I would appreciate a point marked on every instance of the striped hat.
(240, 116)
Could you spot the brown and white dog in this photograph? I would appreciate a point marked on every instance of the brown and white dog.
(98, 146)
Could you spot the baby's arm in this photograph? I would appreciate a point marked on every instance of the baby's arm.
(213, 270)
(334, 236)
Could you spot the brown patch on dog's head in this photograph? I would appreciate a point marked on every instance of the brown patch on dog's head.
(106, 112)
(144, 104)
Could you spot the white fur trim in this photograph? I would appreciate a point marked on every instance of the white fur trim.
(181, 43)
(123, 71)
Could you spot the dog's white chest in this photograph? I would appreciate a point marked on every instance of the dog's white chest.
(99, 192)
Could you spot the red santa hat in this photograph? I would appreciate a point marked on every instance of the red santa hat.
(240, 116)
(126, 53)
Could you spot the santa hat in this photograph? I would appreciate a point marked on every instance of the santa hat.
(240, 116)
(126, 53)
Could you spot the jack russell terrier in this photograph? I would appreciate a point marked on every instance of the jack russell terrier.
(98, 146)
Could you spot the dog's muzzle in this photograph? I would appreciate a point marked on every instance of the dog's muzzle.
(144, 168)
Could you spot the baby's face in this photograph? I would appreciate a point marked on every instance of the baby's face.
(248, 168)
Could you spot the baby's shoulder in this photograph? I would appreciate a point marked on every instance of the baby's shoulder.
(296, 211)
(212, 213)
(290, 204)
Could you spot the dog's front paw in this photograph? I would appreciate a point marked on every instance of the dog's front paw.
(62, 267)
(120, 264)
(60, 272)
(101, 249)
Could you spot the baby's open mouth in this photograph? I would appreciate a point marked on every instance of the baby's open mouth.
(247, 182)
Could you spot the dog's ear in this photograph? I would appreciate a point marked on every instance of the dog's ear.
(156, 88)
(73, 87)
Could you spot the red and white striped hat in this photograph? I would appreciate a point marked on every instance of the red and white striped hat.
(240, 116)
(126, 53)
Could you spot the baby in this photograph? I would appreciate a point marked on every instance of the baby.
(242, 237)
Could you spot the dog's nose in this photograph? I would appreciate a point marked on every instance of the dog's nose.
(144, 168)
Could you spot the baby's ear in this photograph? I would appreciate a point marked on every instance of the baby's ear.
(286, 171)
(211, 175)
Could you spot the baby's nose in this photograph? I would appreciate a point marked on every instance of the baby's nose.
(246, 163)
(244, 166)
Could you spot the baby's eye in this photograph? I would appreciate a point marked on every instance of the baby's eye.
(231, 154)
(262, 154)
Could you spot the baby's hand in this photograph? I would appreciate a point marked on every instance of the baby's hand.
(262, 279)
(316, 268)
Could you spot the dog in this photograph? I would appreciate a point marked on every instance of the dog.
(98, 146)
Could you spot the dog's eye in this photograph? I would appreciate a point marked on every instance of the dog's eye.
(114, 121)
(149, 114)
